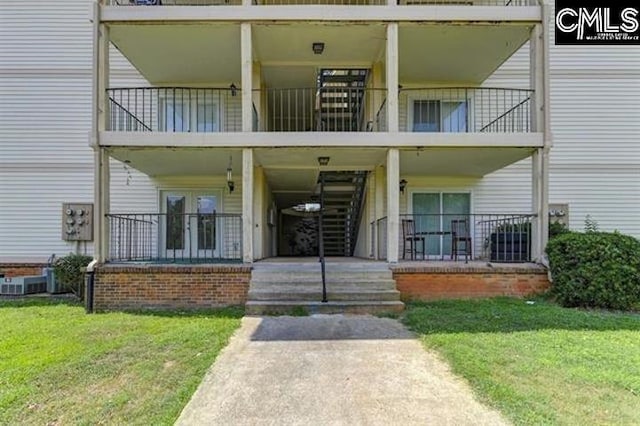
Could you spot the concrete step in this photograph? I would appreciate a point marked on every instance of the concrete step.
(316, 295)
(315, 276)
(349, 307)
(311, 285)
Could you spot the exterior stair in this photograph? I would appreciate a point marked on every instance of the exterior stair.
(342, 197)
(352, 287)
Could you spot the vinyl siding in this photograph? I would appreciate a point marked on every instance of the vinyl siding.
(45, 112)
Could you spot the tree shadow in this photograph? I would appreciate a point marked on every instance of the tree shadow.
(72, 301)
(506, 315)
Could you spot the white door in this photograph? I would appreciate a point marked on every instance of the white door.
(188, 227)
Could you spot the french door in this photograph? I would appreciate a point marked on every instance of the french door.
(188, 226)
(433, 213)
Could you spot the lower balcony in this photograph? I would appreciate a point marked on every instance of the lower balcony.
(463, 237)
(176, 237)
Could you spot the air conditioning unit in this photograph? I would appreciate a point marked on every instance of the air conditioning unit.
(19, 286)
(53, 285)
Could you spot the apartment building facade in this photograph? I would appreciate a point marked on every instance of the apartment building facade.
(426, 129)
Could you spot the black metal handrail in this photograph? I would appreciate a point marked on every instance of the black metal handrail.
(321, 241)
(177, 109)
(123, 120)
(467, 109)
(175, 237)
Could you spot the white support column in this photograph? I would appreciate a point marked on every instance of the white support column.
(392, 77)
(379, 183)
(539, 82)
(393, 204)
(247, 205)
(258, 212)
(101, 171)
(257, 93)
(536, 67)
(536, 205)
(247, 76)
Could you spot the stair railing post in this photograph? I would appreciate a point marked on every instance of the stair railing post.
(321, 240)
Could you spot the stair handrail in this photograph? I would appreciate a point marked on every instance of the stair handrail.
(321, 240)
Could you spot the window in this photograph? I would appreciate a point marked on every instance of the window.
(185, 110)
(439, 116)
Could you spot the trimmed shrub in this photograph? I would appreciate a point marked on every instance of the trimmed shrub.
(595, 269)
(69, 270)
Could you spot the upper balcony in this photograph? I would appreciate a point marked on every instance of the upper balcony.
(501, 3)
(327, 109)
(304, 10)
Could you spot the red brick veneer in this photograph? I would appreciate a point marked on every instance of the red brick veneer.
(120, 287)
(21, 269)
(430, 283)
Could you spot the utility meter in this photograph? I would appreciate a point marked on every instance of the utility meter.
(77, 222)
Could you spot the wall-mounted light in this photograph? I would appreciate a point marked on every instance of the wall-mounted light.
(403, 185)
(318, 47)
(234, 89)
(323, 161)
(230, 182)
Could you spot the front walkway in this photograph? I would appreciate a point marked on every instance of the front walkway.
(355, 370)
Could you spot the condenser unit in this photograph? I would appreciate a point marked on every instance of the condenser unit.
(18, 286)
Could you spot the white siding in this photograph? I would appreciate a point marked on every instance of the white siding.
(45, 107)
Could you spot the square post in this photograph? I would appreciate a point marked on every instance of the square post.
(392, 77)
(393, 204)
(247, 205)
(247, 76)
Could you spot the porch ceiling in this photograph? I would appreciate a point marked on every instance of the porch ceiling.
(473, 162)
(180, 161)
(181, 54)
(456, 53)
(209, 53)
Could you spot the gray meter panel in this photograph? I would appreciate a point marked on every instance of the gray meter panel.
(77, 221)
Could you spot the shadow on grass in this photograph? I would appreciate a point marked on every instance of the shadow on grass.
(39, 300)
(72, 301)
(506, 315)
(223, 312)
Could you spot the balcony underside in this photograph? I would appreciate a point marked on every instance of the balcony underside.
(296, 169)
(206, 53)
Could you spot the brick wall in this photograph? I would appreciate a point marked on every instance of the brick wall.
(464, 283)
(21, 269)
(170, 287)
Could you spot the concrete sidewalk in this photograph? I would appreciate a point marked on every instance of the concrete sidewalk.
(319, 370)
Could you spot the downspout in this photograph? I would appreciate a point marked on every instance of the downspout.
(89, 283)
(548, 137)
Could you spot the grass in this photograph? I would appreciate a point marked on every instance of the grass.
(61, 366)
(539, 363)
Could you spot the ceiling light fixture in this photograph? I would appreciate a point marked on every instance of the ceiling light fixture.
(318, 47)
(230, 182)
(323, 161)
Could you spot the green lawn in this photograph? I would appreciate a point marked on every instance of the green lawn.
(539, 363)
(61, 366)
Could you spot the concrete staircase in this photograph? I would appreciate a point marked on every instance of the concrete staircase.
(352, 287)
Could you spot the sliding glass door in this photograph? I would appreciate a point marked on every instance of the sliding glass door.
(433, 213)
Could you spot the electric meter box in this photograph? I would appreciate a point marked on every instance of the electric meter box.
(77, 222)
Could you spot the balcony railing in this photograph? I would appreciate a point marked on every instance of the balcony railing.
(322, 2)
(175, 237)
(175, 109)
(327, 109)
(499, 238)
(465, 109)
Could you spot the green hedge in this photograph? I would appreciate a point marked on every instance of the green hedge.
(69, 270)
(595, 269)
